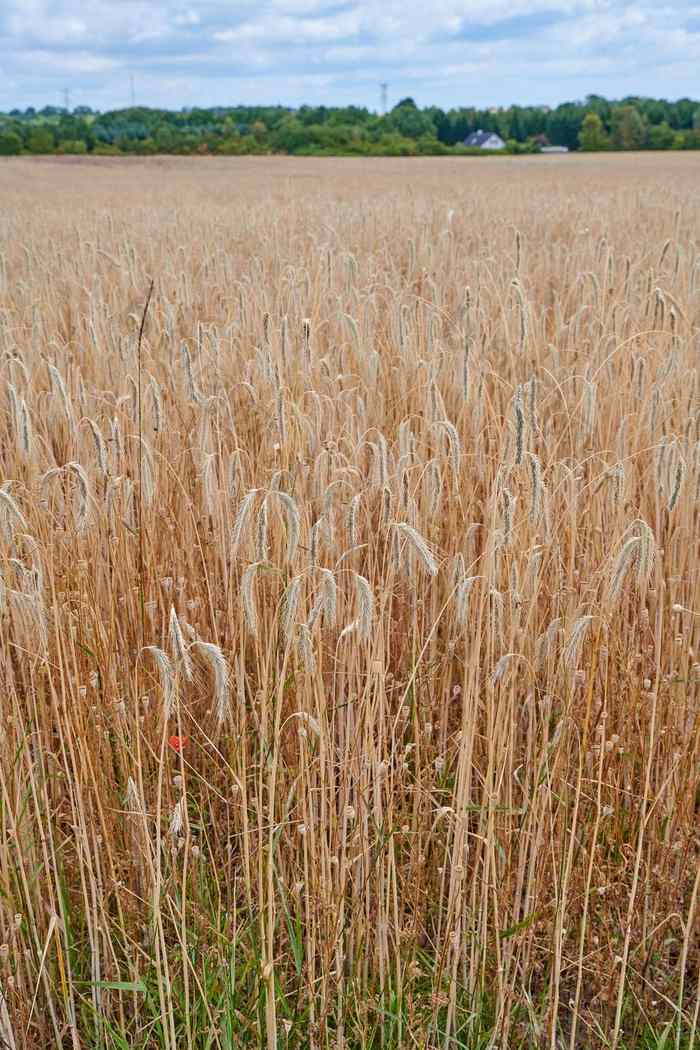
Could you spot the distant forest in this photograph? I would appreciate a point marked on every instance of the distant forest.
(406, 130)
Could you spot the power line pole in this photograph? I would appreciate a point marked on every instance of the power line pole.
(384, 96)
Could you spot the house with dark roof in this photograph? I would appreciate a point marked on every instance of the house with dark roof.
(484, 140)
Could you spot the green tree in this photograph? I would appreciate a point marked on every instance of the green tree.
(259, 130)
(164, 137)
(596, 123)
(10, 143)
(563, 124)
(601, 106)
(395, 145)
(430, 146)
(592, 135)
(40, 140)
(661, 136)
(411, 122)
(72, 146)
(628, 128)
(292, 135)
(686, 139)
(683, 112)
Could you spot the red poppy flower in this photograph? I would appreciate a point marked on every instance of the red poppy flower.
(177, 742)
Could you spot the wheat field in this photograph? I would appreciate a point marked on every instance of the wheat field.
(350, 603)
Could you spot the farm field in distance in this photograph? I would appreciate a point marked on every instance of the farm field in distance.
(350, 603)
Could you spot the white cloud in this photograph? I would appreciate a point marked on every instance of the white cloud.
(195, 52)
(186, 18)
(284, 29)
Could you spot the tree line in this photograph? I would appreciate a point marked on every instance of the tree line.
(595, 123)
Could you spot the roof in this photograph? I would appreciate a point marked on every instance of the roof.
(479, 138)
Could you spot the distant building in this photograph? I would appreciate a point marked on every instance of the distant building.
(554, 149)
(485, 140)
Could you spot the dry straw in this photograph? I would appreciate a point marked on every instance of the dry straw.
(430, 493)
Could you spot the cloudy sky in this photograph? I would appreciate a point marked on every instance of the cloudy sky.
(446, 52)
